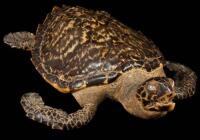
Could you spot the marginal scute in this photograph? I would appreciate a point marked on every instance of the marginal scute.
(112, 76)
(77, 48)
(78, 84)
(96, 80)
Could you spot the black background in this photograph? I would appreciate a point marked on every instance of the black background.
(174, 27)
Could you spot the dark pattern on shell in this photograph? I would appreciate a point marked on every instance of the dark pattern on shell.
(76, 44)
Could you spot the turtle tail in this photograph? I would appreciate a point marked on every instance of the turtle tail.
(185, 80)
(20, 40)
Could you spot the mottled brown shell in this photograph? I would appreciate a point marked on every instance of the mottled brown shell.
(76, 47)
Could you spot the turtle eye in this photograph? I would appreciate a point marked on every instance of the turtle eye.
(151, 87)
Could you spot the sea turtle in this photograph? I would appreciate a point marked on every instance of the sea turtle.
(94, 56)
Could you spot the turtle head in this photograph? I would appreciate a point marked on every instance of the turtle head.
(151, 99)
(156, 94)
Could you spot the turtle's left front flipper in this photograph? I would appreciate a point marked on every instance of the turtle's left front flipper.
(185, 80)
(36, 110)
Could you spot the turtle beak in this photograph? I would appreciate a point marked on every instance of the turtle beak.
(166, 107)
(171, 107)
(166, 102)
(165, 99)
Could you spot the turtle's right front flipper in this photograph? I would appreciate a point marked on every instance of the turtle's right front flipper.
(185, 80)
(20, 40)
(35, 109)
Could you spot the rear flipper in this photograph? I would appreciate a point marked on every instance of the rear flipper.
(35, 109)
(185, 80)
(20, 40)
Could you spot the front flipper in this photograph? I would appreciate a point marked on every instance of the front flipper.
(20, 40)
(36, 110)
(185, 80)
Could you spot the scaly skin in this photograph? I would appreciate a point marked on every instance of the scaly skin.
(20, 40)
(185, 80)
(36, 110)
